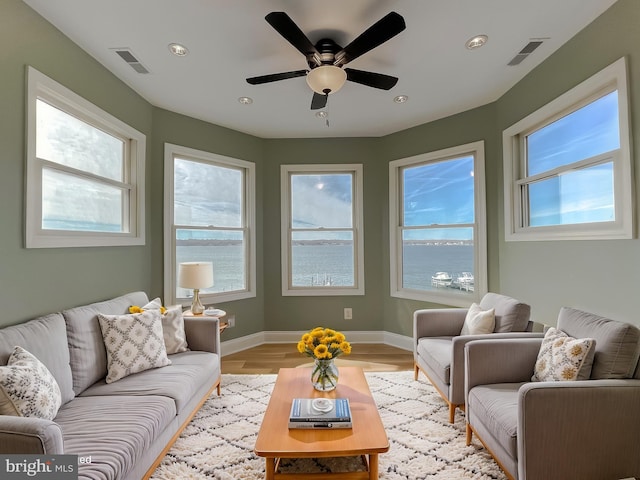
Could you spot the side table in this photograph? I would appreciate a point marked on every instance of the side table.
(218, 314)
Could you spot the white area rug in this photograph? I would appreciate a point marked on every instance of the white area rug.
(218, 443)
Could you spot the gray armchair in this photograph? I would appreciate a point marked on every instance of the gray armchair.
(438, 347)
(558, 430)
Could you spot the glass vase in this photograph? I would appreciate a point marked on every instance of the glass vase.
(324, 376)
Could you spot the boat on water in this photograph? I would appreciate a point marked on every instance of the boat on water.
(318, 280)
(465, 277)
(465, 281)
(441, 279)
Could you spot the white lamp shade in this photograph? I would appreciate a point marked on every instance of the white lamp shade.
(195, 275)
(326, 77)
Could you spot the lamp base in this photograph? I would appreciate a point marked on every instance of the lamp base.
(196, 305)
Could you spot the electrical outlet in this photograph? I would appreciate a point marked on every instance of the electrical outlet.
(348, 314)
(231, 320)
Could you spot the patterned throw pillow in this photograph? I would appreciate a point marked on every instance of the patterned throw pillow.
(478, 321)
(27, 388)
(134, 343)
(562, 357)
(175, 339)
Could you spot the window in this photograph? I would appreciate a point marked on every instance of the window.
(209, 217)
(322, 225)
(85, 172)
(568, 165)
(437, 226)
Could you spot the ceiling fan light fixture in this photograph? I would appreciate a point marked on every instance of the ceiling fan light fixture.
(326, 79)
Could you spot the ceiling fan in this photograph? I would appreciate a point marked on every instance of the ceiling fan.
(326, 58)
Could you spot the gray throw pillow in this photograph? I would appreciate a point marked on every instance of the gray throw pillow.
(134, 343)
(175, 338)
(27, 387)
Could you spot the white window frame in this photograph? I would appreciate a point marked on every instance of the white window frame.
(441, 296)
(613, 77)
(358, 228)
(39, 86)
(170, 268)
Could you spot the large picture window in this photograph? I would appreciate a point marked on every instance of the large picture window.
(85, 172)
(322, 244)
(568, 165)
(437, 226)
(209, 217)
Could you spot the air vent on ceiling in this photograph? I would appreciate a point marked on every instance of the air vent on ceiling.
(525, 52)
(131, 59)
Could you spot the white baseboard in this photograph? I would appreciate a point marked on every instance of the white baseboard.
(242, 343)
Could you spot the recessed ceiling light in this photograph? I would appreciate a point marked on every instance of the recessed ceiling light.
(322, 114)
(476, 42)
(245, 100)
(177, 49)
(401, 99)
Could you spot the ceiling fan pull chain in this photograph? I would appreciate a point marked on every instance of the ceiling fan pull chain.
(326, 119)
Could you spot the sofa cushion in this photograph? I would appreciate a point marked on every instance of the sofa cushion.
(617, 344)
(511, 314)
(133, 342)
(478, 321)
(115, 431)
(46, 339)
(497, 406)
(175, 339)
(88, 357)
(27, 388)
(563, 358)
(436, 352)
(180, 380)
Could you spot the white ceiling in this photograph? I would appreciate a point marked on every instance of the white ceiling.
(229, 40)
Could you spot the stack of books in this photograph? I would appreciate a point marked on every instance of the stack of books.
(320, 413)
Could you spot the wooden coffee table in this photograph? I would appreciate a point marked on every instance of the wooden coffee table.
(367, 438)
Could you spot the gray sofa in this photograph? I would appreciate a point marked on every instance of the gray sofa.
(558, 430)
(121, 430)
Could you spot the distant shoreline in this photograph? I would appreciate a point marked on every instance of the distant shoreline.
(219, 243)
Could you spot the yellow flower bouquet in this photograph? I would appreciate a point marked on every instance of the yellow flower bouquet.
(324, 345)
(137, 309)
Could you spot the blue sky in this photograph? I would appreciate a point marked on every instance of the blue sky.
(577, 196)
(439, 193)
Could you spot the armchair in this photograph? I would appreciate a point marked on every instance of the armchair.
(558, 430)
(438, 347)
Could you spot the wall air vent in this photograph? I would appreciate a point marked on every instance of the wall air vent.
(526, 51)
(131, 59)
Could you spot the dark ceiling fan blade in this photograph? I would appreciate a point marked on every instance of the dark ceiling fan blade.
(384, 29)
(286, 27)
(319, 101)
(371, 79)
(275, 77)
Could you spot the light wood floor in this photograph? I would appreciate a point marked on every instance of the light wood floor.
(270, 357)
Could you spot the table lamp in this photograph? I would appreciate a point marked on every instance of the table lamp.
(196, 275)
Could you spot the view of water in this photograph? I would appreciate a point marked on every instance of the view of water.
(228, 265)
(332, 264)
(421, 261)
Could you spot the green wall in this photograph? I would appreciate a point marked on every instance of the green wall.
(38, 281)
(599, 276)
(299, 313)
(470, 126)
(169, 127)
